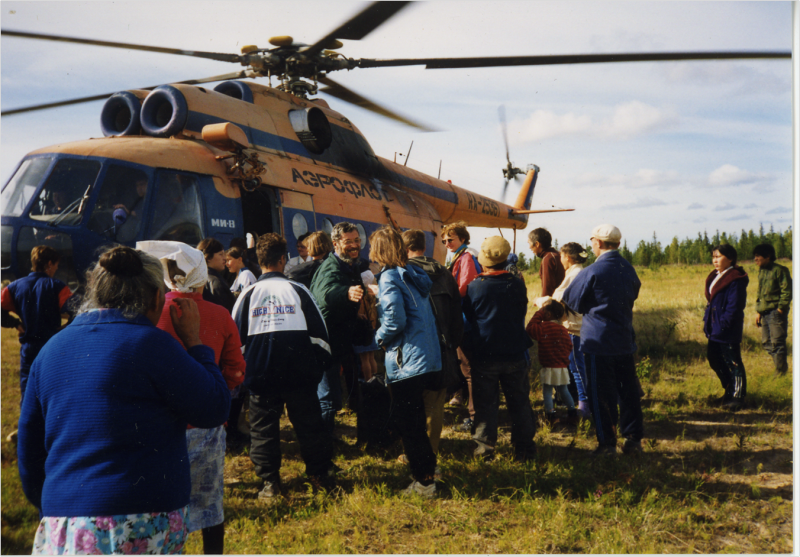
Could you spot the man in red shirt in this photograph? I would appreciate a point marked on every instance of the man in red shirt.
(551, 272)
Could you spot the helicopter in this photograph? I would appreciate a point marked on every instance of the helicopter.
(183, 162)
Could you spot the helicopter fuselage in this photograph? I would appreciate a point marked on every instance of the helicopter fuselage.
(302, 167)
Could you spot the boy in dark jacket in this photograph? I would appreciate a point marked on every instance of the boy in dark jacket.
(40, 302)
(494, 308)
(772, 305)
(286, 349)
(446, 303)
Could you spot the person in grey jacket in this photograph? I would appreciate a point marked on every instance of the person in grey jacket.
(408, 335)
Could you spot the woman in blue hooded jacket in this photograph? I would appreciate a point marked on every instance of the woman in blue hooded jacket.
(726, 292)
(408, 335)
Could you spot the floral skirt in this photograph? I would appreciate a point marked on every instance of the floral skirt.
(206, 449)
(143, 534)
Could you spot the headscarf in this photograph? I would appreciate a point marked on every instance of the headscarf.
(188, 260)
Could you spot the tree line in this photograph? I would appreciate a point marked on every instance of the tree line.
(688, 250)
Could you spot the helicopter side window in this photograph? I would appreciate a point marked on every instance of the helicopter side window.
(63, 197)
(177, 213)
(20, 189)
(123, 188)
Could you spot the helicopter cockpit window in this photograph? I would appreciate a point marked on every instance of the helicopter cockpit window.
(123, 188)
(177, 213)
(64, 195)
(23, 184)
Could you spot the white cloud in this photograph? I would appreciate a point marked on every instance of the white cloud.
(729, 175)
(726, 207)
(638, 204)
(635, 118)
(741, 216)
(628, 120)
(694, 206)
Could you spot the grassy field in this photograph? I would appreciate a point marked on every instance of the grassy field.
(709, 481)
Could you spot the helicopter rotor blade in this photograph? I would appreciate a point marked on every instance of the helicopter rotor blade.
(80, 100)
(502, 114)
(341, 92)
(558, 59)
(358, 26)
(222, 57)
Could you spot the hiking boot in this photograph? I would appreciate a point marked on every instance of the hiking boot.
(270, 491)
(584, 410)
(631, 447)
(426, 491)
(467, 426)
(605, 450)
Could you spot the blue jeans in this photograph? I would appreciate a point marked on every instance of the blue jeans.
(774, 328)
(547, 395)
(487, 378)
(577, 366)
(329, 393)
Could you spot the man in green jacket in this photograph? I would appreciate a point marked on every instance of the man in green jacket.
(338, 288)
(772, 305)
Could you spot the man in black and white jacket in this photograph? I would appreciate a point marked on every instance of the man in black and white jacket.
(286, 349)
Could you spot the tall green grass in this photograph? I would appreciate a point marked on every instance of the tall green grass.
(709, 481)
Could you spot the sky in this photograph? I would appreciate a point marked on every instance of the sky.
(671, 148)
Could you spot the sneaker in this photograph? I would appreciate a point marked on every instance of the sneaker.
(402, 459)
(605, 450)
(631, 447)
(484, 450)
(270, 491)
(467, 426)
(426, 491)
(456, 400)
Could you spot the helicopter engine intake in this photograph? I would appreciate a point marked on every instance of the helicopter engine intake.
(312, 129)
(121, 115)
(164, 112)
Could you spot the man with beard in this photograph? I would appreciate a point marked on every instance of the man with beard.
(337, 287)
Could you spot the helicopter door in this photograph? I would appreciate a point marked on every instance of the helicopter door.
(298, 217)
(260, 211)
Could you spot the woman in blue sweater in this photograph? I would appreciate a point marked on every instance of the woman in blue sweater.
(408, 335)
(102, 440)
(726, 292)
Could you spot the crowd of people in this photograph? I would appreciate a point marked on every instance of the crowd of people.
(170, 342)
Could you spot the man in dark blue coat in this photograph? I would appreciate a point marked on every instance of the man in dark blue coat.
(604, 293)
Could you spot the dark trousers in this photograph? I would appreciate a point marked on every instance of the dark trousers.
(512, 377)
(303, 408)
(408, 408)
(774, 328)
(726, 361)
(24, 372)
(612, 380)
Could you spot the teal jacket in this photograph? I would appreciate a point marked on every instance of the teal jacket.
(408, 328)
(774, 288)
(330, 285)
